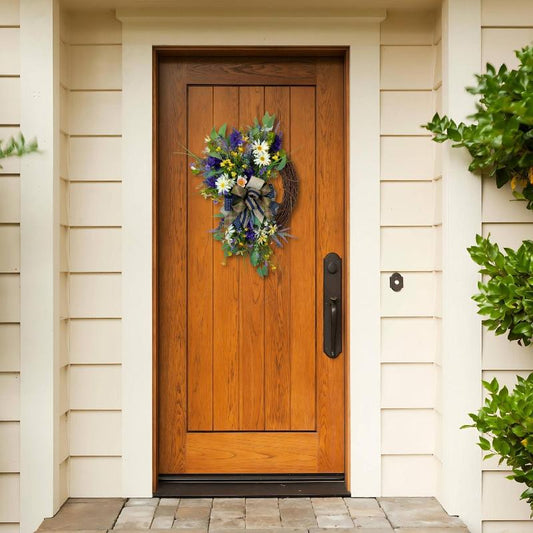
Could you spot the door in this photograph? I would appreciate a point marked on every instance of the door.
(243, 383)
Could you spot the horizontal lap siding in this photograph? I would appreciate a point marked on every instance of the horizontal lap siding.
(9, 272)
(506, 26)
(92, 118)
(408, 227)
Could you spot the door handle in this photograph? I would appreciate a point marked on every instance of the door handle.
(332, 303)
(333, 315)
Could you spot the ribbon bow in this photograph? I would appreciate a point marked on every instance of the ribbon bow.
(256, 200)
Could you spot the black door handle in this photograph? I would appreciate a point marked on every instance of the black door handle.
(332, 303)
(333, 327)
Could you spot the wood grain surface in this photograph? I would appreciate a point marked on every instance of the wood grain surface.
(242, 383)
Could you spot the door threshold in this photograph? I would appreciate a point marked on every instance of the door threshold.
(250, 485)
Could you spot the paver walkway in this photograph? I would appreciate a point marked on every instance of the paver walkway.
(254, 515)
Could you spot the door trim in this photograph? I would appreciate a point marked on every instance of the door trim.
(141, 31)
(339, 486)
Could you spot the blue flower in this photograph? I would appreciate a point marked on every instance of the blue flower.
(212, 163)
(235, 139)
(248, 171)
(211, 181)
(276, 144)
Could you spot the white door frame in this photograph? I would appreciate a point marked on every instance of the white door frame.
(362, 36)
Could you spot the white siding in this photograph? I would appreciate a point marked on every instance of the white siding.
(506, 26)
(91, 110)
(409, 222)
(9, 269)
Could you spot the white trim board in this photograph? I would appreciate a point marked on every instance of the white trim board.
(362, 37)
(461, 326)
(39, 265)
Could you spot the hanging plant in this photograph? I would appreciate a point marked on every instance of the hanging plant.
(500, 140)
(237, 171)
(506, 298)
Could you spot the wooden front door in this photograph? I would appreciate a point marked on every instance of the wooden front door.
(243, 384)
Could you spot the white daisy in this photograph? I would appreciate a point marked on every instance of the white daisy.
(262, 237)
(262, 159)
(224, 184)
(260, 147)
(228, 236)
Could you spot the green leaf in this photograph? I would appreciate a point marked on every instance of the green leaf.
(254, 258)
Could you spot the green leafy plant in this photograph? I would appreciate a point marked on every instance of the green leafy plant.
(506, 298)
(505, 423)
(500, 140)
(17, 146)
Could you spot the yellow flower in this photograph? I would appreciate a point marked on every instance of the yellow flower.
(530, 175)
(234, 154)
(275, 157)
(233, 174)
(524, 442)
(513, 182)
(245, 166)
(218, 148)
(241, 149)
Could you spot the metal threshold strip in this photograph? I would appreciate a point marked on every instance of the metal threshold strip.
(250, 485)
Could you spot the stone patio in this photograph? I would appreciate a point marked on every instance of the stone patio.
(254, 515)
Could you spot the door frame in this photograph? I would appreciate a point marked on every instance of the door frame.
(323, 488)
(358, 34)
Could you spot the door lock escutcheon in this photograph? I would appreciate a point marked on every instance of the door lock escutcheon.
(332, 325)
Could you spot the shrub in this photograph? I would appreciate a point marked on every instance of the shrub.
(505, 423)
(506, 298)
(500, 140)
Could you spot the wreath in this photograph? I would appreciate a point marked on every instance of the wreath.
(237, 171)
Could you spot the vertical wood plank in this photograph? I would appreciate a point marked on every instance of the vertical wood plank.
(330, 238)
(277, 296)
(172, 266)
(251, 305)
(225, 299)
(200, 272)
(302, 292)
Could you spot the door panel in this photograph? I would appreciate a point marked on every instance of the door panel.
(243, 384)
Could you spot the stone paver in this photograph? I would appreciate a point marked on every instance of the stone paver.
(334, 520)
(153, 502)
(372, 522)
(358, 507)
(254, 515)
(417, 513)
(85, 514)
(135, 516)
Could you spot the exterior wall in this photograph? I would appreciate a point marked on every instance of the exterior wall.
(91, 264)
(410, 223)
(9, 274)
(505, 27)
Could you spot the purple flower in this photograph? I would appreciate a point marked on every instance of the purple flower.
(250, 234)
(211, 181)
(276, 144)
(235, 139)
(213, 162)
(248, 171)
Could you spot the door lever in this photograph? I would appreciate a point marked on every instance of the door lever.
(332, 305)
(333, 329)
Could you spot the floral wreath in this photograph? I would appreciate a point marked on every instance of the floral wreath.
(237, 172)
